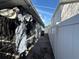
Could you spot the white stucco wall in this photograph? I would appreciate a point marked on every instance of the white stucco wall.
(69, 10)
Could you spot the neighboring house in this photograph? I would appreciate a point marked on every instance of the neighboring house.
(65, 10)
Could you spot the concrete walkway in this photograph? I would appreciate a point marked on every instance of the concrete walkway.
(42, 49)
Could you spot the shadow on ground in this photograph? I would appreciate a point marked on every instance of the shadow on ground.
(42, 49)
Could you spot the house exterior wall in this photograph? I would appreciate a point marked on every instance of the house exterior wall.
(69, 10)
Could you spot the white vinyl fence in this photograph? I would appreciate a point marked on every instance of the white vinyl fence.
(64, 38)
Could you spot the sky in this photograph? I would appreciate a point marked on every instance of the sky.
(45, 9)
